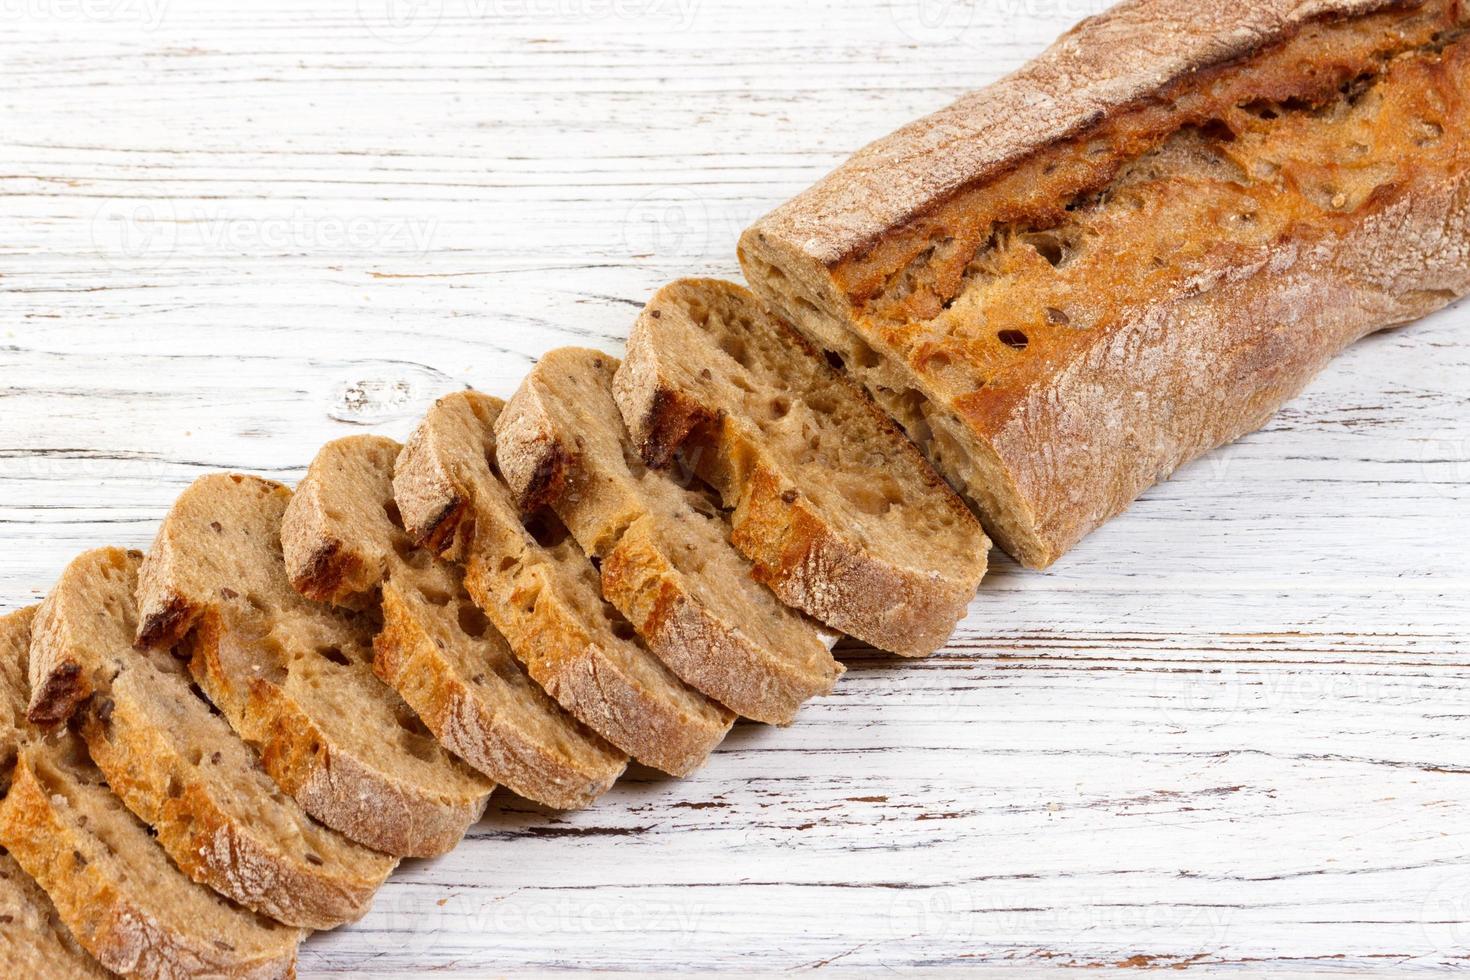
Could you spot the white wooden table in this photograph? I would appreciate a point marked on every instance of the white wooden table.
(1230, 729)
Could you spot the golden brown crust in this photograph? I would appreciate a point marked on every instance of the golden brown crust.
(574, 667)
(1101, 69)
(434, 648)
(34, 942)
(332, 785)
(183, 771)
(215, 847)
(567, 776)
(107, 880)
(763, 681)
(544, 599)
(800, 514)
(295, 679)
(666, 561)
(109, 916)
(1016, 326)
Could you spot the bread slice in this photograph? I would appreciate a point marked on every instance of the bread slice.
(180, 767)
(840, 514)
(34, 942)
(343, 538)
(294, 678)
(1138, 246)
(664, 551)
(543, 594)
(109, 881)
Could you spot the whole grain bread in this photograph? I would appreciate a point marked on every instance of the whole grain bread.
(181, 769)
(663, 550)
(343, 538)
(1139, 245)
(34, 942)
(295, 678)
(839, 513)
(543, 594)
(109, 881)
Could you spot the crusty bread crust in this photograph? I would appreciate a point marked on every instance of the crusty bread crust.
(106, 879)
(903, 261)
(453, 669)
(227, 630)
(34, 942)
(1103, 67)
(110, 917)
(171, 762)
(805, 552)
(561, 443)
(539, 597)
(566, 777)
(213, 846)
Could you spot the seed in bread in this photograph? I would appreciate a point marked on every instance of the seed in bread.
(543, 594)
(837, 510)
(663, 551)
(180, 767)
(295, 678)
(1137, 247)
(342, 539)
(110, 882)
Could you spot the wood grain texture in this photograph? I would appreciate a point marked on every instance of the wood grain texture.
(1229, 729)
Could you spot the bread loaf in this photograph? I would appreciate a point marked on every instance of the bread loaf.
(1138, 246)
(343, 539)
(663, 550)
(543, 594)
(837, 511)
(109, 880)
(295, 678)
(180, 768)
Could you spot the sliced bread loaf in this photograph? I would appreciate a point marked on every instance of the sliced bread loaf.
(34, 942)
(543, 594)
(839, 512)
(1139, 245)
(664, 551)
(342, 537)
(110, 882)
(294, 678)
(182, 770)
